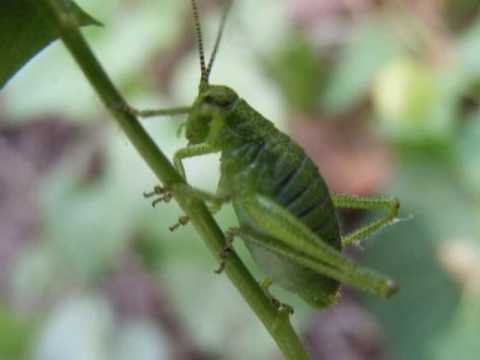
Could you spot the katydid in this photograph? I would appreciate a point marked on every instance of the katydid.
(285, 210)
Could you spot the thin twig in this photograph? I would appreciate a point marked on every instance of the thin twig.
(278, 324)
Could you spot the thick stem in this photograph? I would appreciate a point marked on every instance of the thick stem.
(276, 323)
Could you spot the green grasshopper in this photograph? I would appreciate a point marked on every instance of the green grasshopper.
(285, 211)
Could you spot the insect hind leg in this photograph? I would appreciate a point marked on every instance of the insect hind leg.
(226, 251)
(276, 229)
(357, 202)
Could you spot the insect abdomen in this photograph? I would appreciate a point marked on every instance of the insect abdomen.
(260, 159)
(300, 188)
(279, 169)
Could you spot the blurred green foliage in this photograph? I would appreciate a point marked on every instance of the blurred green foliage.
(412, 83)
(15, 335)
(300, 71)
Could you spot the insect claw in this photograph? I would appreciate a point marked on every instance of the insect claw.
(148, 194)
(164, 193)
(165, 198)
(285, 308)
(230, 235)
(156, 201)
(281, 307)
(182, 220)
(227, 249)
(157, 190)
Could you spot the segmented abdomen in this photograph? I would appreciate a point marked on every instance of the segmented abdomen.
(280, 169)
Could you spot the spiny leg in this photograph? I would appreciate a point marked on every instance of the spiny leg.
(227, 249)
(275, 228)
(356, 202)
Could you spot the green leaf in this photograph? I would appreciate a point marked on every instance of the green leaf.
(24, 31)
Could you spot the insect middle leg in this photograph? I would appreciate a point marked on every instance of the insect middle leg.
(357, 202)
(165, 194)
(215, 201)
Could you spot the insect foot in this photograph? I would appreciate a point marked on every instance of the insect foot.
(164, 195)
(227, 249)
(182, 221)
(281, 307)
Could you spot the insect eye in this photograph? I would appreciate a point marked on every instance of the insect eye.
(221, 101)
(209, 99)
(224, 101)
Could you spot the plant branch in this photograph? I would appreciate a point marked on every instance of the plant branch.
(277, 323)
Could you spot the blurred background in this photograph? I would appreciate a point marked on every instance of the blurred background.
(383, 95)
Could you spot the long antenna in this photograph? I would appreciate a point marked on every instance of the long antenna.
(226, 10)
(198, 30)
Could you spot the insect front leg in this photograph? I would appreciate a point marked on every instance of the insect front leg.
(179, 110)
(216, 200)
(356, 202)
(191, 151)
(276, 229)
(160, 193)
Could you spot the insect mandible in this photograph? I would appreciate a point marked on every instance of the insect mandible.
(285, 211)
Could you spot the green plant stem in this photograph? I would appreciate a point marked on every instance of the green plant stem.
(277, 323)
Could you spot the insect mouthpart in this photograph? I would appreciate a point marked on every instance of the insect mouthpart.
(197, 126)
